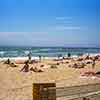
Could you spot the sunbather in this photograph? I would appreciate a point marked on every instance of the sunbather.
(26, 67)
(35, 69)
(77, 65)
(13, 65)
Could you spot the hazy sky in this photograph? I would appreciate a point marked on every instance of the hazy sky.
(50, 22)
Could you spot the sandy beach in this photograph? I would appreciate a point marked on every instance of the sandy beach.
(16, 85)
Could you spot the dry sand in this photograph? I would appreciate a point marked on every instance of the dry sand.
(16, 85)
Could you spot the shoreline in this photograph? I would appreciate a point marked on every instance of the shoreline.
(48, 57)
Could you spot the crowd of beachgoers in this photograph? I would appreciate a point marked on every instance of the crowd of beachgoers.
(78, 62)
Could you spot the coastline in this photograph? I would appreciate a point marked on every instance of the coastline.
(47, 57)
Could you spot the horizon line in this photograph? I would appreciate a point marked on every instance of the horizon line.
(49, 46)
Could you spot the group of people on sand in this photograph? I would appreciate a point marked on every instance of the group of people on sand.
(82, 60)
(27, 68)
(93, 64)
(92, 60)
(8, 61)
(81, 63)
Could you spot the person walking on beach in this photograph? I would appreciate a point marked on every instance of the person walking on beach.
(40, 58)
(26, 67)
(59, 56)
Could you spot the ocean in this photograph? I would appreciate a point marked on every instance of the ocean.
(45, 51)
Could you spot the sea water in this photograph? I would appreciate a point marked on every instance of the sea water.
(45, 51)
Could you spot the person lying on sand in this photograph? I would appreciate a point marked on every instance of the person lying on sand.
(88, 73)
(26, 67)
(53, 66)
(13, 65)
(78, 65)
(91, 73)
(98, 74)
(84, 98)
(41, 65)
(35, 69)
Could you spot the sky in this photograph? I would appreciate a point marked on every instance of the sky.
(70, 23)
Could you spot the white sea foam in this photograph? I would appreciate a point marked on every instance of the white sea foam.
(36, 58)
(26, 52)
(2, 52)
(74, 56)
(25, 58)
(13, 58)
(95, 54)
(46, 49)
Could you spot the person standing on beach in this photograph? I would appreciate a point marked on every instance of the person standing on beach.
(40, 58)
(8, 61)
(93, 63)
(69, 55)
(29, 57)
